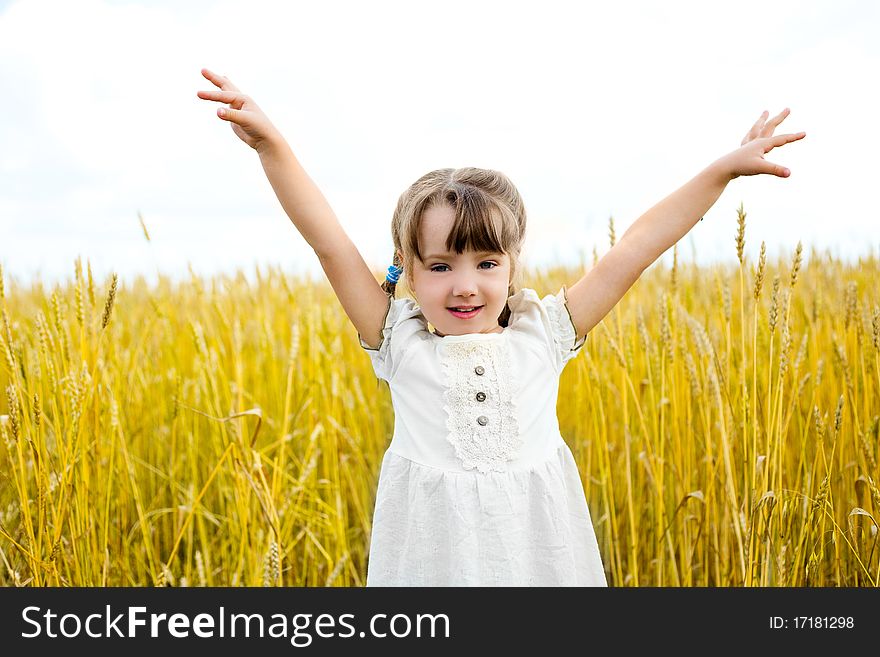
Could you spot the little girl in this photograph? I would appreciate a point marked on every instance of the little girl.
(477, 486)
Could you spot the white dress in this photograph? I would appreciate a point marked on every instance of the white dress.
(477, 487)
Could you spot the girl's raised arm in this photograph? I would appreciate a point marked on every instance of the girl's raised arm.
(361, 296)
(599, 290)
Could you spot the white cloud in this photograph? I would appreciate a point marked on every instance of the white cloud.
(592, 109)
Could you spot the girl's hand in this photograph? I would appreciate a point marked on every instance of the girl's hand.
(749, 160)
(247, 119)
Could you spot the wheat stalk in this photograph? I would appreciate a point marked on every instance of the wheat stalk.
(108, 305)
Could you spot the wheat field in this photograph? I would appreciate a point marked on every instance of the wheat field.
(216, 433)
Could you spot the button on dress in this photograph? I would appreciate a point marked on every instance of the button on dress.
(477, 487)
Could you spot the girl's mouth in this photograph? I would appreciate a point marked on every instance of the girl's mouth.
(466, 315)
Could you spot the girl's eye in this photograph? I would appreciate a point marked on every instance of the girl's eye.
(486, 262)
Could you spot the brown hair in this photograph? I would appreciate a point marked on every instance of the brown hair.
(489, 216)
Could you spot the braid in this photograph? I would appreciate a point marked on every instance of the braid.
(389, 285)
(504, 317)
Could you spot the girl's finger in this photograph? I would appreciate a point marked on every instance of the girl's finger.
(771, 125)
(777, 170)
(779, 118)
(210, 75)
(760, 122)
(226, 114)
(220, 96)
(769, 143)
(755, 131)
(231, 115)
(219, 80)
(779, 140)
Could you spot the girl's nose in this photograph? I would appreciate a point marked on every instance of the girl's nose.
(464, 287)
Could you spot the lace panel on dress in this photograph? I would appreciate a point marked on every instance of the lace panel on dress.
(484, 433)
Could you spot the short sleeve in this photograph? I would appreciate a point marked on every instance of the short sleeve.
(548, 320)
(403, 321)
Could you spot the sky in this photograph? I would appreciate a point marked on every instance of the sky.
(593, 109)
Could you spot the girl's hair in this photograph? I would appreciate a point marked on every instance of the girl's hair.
(489, 216)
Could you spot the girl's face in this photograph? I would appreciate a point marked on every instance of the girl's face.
(449, 280)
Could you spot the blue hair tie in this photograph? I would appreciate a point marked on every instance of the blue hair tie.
(393, 274)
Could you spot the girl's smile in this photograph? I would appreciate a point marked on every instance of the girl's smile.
(469, 314)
